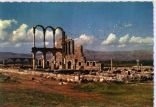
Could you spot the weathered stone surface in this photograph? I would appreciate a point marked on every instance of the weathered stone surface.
(70, 57)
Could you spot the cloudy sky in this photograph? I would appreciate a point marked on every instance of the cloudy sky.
(98, 26)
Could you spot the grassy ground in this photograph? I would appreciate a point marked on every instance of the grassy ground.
(33, 98)
(124, 95)
(110, 95)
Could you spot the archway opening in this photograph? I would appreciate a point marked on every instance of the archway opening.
(39, 59)
(69, 64)
(58, 38)
(39, 37)
(49, 56)
(49, 38)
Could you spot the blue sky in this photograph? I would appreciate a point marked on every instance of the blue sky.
(102, 26)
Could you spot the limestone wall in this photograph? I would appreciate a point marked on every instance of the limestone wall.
(74, 57)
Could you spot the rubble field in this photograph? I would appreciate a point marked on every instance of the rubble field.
(38, 89)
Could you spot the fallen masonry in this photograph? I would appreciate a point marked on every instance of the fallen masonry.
(124, 76)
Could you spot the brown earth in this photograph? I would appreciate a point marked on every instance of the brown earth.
(47, 86)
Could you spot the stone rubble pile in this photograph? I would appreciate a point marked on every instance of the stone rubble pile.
(122, 75)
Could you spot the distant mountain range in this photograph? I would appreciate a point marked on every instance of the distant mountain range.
(5, 55)
(96, 55)
(119, 55)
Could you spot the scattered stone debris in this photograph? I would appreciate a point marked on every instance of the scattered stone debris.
(119, 75)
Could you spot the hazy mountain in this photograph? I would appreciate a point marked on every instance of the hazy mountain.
(119, 55)
(96, 55)
(5, 55)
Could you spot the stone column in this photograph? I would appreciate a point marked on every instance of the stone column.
(53, 38)
(54, 60)
(38, 62)
(34, 60)
(65, 50)
(34, 37)
(73, 47)
(44, 38)
(44, 60)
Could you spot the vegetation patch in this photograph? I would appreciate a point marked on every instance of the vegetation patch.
(34, 98)
(4, 78)
(136, 95)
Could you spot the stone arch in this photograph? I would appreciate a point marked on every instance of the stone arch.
(34, 32)
(26, 60)
(10, 61)
(58, 56)
(18, 61)
(39, 59)
(44, 49)
(53, 30)
(49, 56)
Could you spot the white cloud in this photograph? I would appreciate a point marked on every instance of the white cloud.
(84, 39)
(4, 24)
(124, 39)
(38, 35)
(20, 34)
(23, 34)
(111, 39)
(141, 40)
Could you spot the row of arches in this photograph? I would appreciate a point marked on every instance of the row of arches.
(17, 60)
(57, 64)
(44, 30)
(45, 50)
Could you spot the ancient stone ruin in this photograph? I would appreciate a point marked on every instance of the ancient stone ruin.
(66, 55)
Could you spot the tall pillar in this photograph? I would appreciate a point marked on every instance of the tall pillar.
(137, 64)
(73, 47)
(34, 60)
(44, 60)
(65, 50)
(54, 61)
(53, 38)
(38, 62)
(34, 37)
(44, 38)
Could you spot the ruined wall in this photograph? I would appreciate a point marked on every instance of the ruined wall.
(92, 65)
(74, 57)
